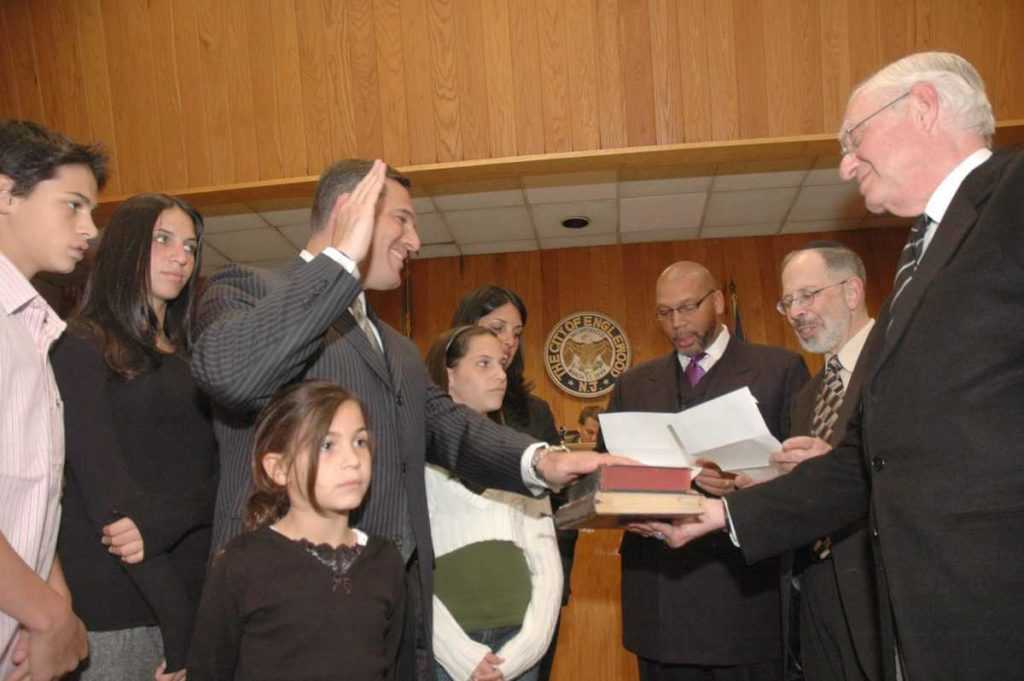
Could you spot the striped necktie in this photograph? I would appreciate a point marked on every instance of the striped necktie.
(909, 258)
(830, 398)
(358, 310)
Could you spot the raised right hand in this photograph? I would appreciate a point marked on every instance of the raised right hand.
(355, 214)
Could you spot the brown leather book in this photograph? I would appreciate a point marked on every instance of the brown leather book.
(608, 509)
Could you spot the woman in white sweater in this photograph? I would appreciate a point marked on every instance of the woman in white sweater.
(498, 576)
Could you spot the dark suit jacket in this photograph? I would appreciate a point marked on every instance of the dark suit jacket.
(258, 331)
(851, 564)
(703, 606)
(933, 455)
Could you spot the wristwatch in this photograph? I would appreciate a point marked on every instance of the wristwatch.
(539, 454)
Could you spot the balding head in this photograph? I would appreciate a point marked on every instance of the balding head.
(689, 301)
(686, 269)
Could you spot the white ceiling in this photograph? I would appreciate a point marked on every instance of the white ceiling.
(525, 213)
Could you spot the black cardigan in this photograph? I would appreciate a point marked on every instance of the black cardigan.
(142, 449)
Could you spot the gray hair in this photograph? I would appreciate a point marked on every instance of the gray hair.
(960, 88)
(839, 258)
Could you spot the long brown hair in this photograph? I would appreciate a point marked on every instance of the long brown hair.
(296, 420)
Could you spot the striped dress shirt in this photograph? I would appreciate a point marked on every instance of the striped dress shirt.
(31, 432)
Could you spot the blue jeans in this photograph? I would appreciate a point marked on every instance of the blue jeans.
(493, 639)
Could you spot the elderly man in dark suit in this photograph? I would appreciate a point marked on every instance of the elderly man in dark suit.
(933, 455)
(823, 300)
(261, 330)
(703, 614)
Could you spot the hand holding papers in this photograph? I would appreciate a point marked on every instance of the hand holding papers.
(728, 430)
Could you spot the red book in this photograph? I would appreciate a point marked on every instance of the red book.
(631, 479)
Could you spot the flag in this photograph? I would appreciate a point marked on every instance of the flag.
(737, 323)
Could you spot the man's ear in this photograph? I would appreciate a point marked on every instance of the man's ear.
(273, 466)
(925, 99)
(854, 292)
(6, 195)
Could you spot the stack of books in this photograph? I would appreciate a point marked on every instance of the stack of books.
(613, 496)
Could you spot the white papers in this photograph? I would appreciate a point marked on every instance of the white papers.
(728, 430)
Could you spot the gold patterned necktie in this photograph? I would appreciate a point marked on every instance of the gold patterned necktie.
(358, 310)
(830, 398)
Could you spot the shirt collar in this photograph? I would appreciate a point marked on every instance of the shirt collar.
(943, 195)
(714, 351)
(850, 351)
(15, 290)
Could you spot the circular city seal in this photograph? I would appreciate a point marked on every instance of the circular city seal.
(585, 353)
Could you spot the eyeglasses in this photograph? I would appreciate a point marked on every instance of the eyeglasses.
(665, 313)
(802, 297)
(847, 143)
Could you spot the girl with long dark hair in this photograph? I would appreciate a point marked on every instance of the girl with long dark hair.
(140, 474)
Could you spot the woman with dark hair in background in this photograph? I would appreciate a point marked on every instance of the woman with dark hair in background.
(497, 577)
(141, 457)
(504, 313)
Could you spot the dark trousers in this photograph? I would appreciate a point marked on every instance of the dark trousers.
(825, 643)
(651, 670)
(415, 661)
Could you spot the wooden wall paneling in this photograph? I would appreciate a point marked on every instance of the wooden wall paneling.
(501, 96)
(387, 24)
(743, 266)
(864, 44)
(193, 83)
(725, 108)
(471, 68)
(610, 77)
(262, 34)
(19, 36)
(360, 42)
(779, 113)
(287, 72)
(448, 124)
(836, 79)
(638, 83)
(693, 69)
(751, 68)
(416, 60)
(584, 101)
(669, 113)
(64, 96)
(554, 75)
(806, 85)
(234, 72)
(526, 76)
(338, 90)
(173, 139)
(317, 94)
(896, 30)
(133, 93)
(9, 105)
(214, 74)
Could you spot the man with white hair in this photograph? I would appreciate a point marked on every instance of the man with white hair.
(933, 456)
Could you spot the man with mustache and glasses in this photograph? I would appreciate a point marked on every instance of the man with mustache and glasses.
(703, 614)
(823, 300)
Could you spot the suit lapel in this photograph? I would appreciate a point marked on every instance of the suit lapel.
(389, 357)
(347, 328)
(959, 220)
(663, 395)
(730, 370)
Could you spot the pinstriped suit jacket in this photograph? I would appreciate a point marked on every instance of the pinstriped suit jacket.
(260, 330)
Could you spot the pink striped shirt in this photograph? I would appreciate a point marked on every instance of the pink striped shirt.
(31, 432)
